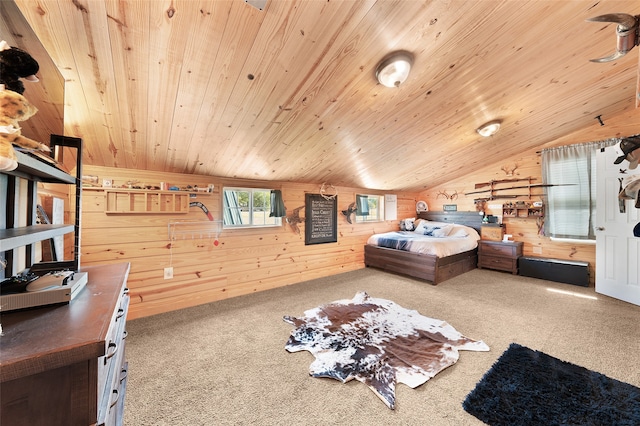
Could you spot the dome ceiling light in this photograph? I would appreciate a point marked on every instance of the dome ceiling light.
(394, 69)
(489, 129)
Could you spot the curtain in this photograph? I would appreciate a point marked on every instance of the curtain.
(571, 202)
(277, 204)
(362, 205)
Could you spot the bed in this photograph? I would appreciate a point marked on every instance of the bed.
(426, 266)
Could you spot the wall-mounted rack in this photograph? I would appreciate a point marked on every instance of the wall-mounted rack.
(144, 201)
(194, 229)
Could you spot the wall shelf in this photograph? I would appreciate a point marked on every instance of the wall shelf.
(17, 237)
(146, 201)
(524, 211)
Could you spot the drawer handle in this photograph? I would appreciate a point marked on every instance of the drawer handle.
(115, 401)
(123, 374)
(112, 353)
(120, 314)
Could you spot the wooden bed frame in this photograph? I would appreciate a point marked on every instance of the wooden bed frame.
(426, 266)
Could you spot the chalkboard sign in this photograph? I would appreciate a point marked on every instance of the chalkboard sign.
(321, 219)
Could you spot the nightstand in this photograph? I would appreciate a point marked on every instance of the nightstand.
(500, 255)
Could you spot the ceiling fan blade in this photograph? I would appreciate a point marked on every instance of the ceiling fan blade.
(609, 58)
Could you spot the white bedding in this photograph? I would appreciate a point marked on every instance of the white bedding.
(460, 239)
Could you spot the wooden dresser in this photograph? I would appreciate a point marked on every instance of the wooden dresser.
(65, 364)
(499, 255)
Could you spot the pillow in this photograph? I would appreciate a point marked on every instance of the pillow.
(407, 224)
(458, 231)
(439, 231)
(421, 224)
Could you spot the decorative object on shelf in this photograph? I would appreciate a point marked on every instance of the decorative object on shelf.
(294, 219)
(627, 36)
(489, 129)
(90, 180)
(491, 231)
(349, 211)
(323, 191)
(450, 207)
(14, 108)
(522, 209)
(16, 64)
(394, 69)
(421, 206)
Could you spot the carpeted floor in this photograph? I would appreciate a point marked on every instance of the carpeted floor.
(224, 363)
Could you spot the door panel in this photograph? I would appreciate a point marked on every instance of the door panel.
(617, 250)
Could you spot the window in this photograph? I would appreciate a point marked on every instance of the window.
(245, 207)
(571, 200)
(369, 208)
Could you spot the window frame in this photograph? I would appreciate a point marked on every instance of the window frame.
(270, 222)
(378, 209)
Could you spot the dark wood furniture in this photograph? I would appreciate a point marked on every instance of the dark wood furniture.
(65, 364)
(425, 266)
(499, 255)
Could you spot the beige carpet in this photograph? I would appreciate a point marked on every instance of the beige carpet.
(224, 363)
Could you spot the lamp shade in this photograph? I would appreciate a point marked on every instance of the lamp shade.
(394, 70)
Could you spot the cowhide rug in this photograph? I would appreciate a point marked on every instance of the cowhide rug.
(376, 342)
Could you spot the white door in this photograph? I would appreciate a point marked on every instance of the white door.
(617, 250)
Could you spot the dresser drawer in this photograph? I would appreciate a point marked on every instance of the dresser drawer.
(512, 250)
(497, 262)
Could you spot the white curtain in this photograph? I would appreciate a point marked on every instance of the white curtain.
(571, 205)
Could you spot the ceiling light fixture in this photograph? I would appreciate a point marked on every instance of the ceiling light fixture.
(489, 129)
(394, 69)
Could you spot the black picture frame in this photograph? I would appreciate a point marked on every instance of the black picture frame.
(321, 219)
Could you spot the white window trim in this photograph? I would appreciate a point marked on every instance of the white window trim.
(277, 220)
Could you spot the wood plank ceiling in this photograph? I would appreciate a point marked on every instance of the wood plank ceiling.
(289, 93)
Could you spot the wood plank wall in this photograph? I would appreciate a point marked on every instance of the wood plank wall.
(528, 165)
(244, 261)
(522, 229)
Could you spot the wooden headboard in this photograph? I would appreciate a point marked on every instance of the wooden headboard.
(470, 219)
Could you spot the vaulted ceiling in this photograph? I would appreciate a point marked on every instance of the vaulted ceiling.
(289, 93)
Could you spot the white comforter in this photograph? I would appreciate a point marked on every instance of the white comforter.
(461, 239)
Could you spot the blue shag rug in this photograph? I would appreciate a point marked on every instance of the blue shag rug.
(527, 387)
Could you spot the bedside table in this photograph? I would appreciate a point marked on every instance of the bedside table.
(499, 255)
